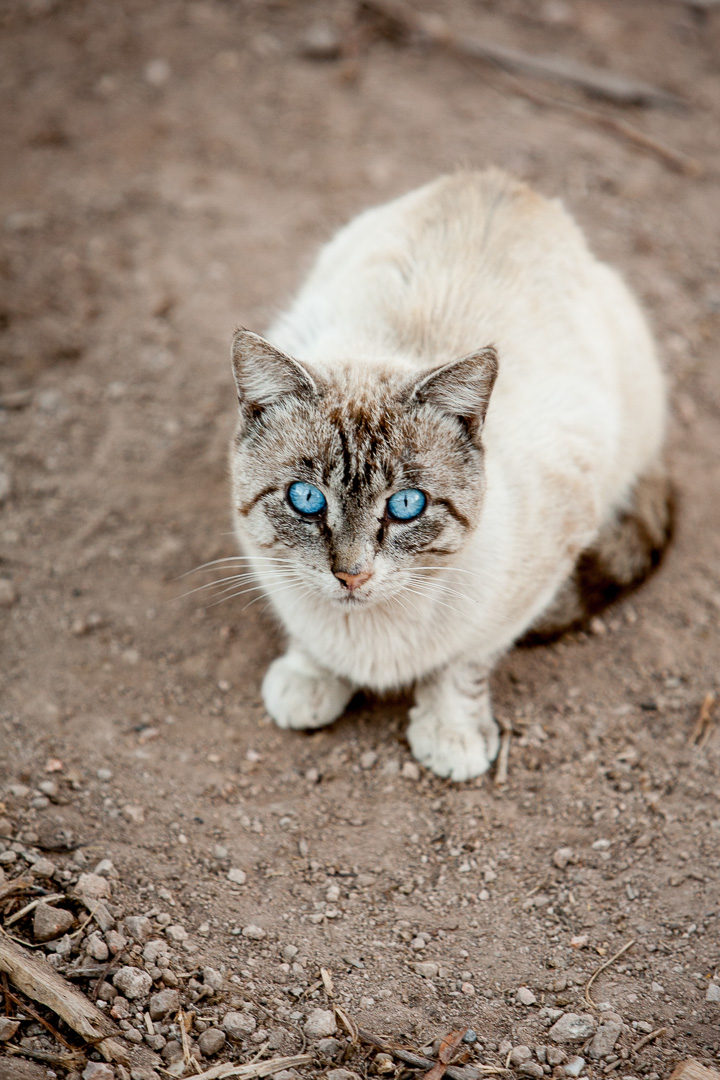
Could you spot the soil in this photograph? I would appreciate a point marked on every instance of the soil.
(170, 170)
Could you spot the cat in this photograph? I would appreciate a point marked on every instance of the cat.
(451, 441)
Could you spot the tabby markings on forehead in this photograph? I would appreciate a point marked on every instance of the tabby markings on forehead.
(248, 506)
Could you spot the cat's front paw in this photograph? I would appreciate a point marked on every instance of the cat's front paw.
(456, 751)
(299, 695)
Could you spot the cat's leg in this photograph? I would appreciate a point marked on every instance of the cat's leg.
(452, 730)
(300, 694)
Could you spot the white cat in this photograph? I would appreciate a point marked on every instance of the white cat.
(453, 441)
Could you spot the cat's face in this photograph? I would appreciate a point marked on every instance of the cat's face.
(359, 476)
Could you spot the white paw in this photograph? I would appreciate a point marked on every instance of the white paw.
(456, 751)
(297, 695)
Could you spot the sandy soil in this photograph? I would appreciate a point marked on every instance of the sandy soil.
(169, 171)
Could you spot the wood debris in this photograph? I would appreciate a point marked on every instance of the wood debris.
(693, 1070)
(705, 722)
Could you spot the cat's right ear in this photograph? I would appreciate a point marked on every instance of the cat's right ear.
(264, 375)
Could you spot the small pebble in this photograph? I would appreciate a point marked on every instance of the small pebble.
(525, 996)
(132, 982)
(164, 1003)
(8, 595)
(427, 968)
(93, 887)
(237, 876)
(96, 947)
(713, 992)
(574, 1066)
(138, 927)
(320, 1024)
(520, 1054)
(572, 1027)
(320, 41)
(239, 1024)
(410, 770)
(254, 933)
(8, 1028)
(98, 1070)
(176, 932)
(562, 857)
(51, 922)
(211, 1041)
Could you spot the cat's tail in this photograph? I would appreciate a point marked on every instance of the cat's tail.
(626, 551)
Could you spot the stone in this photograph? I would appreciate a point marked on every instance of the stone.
(96, 947)
(212, 979)
(254, 933)
(51, 922)
(176, 932)
(555, 1056)
(236, 875)
(341, 1074)
(107, 992)
(132, 982)
(138, 927)
(116, 942)
(134, 814)
(531, 1068)
(155, 949)
(43, 868)
(574, 1067)
(163, 1003)
(172, 1051)
(8, 1028)
(8, 595)
(211, 1041)
(519, 1055)
(93, 887)
(321, 41)
(427, 968)
(572, 1027)
(239, 1025)
(98, 1070)
(525, 996)
(713, 992)
(410, 770)
(320, 1024)
(329, 1048)
(604, 1040)
(562, 857)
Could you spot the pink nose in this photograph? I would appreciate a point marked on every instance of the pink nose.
(353, 581)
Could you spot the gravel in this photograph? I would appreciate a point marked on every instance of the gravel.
(603, 1042)
(238, 1025)
(211, 1041)
(572, 1027)
(163, 1003)
(525, 996)
(8, 1028)
(320, 1024)
(236, 875)
(132, 982)
(51, 922)
(138, 927)
(574, 1066)
(713, 992)
(520, 1054)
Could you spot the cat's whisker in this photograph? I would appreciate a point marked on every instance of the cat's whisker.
(235, 579)
(238, 560)
(434, 599)
(441, 586)
(275, 592)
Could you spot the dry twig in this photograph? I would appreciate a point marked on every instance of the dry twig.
(454, 1072)
(603, 967)
(403, 21)
(32, 905)
(705, 722)
(35, 978)
(256, 1069)
(642, 1043)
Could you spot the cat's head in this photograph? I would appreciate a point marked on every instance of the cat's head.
(356, 475)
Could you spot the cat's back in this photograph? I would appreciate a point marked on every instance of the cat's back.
(433, 272)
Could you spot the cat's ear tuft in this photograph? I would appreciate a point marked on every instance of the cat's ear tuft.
(264, 375)
(461, 388)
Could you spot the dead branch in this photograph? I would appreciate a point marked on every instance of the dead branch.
(35, 978)
(454, 1072)
(398, 19)
(675, 159)
(254, 1069)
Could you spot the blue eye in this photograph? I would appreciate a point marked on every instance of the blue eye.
(305, 498)
(406, 505)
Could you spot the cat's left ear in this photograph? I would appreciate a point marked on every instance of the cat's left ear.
(461, 388)
(264, 375)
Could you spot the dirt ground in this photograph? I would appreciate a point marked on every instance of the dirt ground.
(169, 170)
